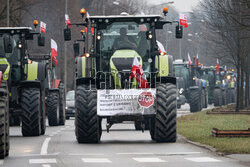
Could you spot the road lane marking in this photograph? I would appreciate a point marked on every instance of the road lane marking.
(79, 154)
(135, 153)
(203, 159)
(142, 160)
(46, 165)
(96, 160)
(44, 149)
(1, 162)
(42, 161)
(182, 153)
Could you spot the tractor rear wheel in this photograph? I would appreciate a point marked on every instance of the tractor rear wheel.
(163, 126)
(15, 121)
(43, 115)
(53, 108)
(62, 104)
(206, 98)
(195, 99)
(224, 97)
(4, 120)
(30, 105)
(217, 97)
(87, 123)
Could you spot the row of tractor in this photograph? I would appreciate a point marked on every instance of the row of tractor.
(199, 85)
(29, 89)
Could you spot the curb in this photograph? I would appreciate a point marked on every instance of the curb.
(212, 149)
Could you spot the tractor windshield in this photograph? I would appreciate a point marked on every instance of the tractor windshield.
(124, 36)
(181, 71)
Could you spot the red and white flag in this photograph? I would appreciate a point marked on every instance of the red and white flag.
(183, 20)
(161, 47)
(217, 67)
(54, 51)
(67, 21)
(42, 27)
(197, 60)
(189, 60)
(138, 74)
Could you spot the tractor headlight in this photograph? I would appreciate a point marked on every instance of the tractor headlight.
(228, 77)
(194, 78)
(19, 45)
(66, 107)
(181, 91)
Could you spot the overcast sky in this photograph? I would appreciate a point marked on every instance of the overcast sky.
(180, 5)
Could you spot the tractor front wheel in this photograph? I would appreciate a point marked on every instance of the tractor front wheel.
(53, 108)
(163, 126)
(87, 123)
(30, 105)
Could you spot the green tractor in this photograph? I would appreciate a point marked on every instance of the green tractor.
(104, 86)
(208, 74)
(26, 80)
(54, 90)
(190, 85)
(4, 100)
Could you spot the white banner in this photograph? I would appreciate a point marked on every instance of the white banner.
(125, 102)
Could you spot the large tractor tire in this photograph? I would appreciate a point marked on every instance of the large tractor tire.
(163, 126)
(62, 104)
(43, 115)
(206, 98)
(4, 120)
(2, 128)
(195, 99)
(31, 111)
(53, 108)
(224, 97)
(232, 95)
(87, 123)
(217, 97)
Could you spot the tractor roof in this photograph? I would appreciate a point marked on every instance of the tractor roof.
(15, 30)
(117, 18)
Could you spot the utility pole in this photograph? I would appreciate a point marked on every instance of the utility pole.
(65, 52)
(8, 13)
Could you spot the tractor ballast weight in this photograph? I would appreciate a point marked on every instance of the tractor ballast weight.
(103, 82)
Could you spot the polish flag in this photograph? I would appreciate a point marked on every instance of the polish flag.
(217, 67)
(67, 21)
(138, 74)
(161, 47)
(189, 60)
(183, 20)
(42, 27)
(197, 60)
(54, 51)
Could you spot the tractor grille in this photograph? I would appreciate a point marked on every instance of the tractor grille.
(3, 67)
(123, 63)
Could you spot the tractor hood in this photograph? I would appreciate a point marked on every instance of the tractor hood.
(121, 64)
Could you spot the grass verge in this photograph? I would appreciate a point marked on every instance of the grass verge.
(197, 127)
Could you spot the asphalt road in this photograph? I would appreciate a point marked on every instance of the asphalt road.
(122, 147)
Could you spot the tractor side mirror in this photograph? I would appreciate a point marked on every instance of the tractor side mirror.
(76, 48)
(8, 45)
(179, 32)
(41, 40)
(67, 34)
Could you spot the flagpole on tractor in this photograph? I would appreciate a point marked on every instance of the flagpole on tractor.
(65, 53)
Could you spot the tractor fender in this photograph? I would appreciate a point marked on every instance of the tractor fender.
(30, 84)
(166, 79)
(85, 81)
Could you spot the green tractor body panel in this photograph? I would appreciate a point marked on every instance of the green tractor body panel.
(5, 68)
(32, 71)
(162, 64)
(123, 55)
